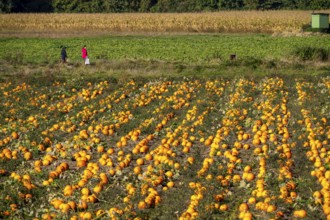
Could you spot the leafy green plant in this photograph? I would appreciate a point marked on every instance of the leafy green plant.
(14, 57)
(197, 49)
(309, 53)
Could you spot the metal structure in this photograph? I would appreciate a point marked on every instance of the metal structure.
(320, 21)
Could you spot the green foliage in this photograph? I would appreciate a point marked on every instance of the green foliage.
(146, 5)
(252, 4)
(320, 4)
(235, 4)
(75, 6)
(200, 49)
(155, 5)
(15, 57)
(312, 54)
(5, 6)
(31, 6)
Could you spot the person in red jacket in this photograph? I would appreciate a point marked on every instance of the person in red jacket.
(84, 54)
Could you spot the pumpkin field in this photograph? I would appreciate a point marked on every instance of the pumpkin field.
(181, 148)
(211, 115)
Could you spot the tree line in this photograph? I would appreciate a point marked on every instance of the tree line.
(106, 6)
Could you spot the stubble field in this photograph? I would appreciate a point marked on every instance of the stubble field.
(55, 25)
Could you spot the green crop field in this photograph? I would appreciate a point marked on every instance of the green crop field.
(200, 49)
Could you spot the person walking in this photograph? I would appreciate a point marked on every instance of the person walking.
(84, 55)
(64, 56)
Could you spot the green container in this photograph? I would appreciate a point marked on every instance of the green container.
(320, 20)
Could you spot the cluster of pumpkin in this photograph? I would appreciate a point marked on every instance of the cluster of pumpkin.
(154, 176)
(101, 151)
(272, 135)
(317, 143)
(140, 148)
(48, 159)
(215, 148)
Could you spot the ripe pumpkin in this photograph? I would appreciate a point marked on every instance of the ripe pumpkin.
(140, 161)
(300, 213)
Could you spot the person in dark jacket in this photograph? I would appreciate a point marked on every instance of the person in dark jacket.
(63, 55)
